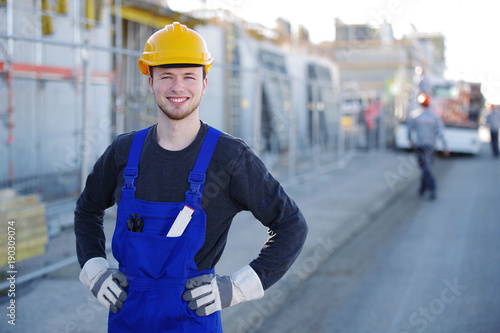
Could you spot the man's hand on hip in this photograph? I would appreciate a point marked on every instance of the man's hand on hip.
(209, 293)
(105, 283)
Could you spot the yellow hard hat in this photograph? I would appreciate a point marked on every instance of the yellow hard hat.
(175, 44)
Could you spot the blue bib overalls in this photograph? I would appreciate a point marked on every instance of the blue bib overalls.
(157, 266)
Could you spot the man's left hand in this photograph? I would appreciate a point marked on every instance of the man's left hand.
(210, 293)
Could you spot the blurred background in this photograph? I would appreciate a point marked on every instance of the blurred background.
(305, 84)
(318, 79)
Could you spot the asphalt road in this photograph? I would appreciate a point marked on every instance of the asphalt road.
(422, 266)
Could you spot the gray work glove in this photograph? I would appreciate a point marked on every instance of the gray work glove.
(105, 283)
(209, 293)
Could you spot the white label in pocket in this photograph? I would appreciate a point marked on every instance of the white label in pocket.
(181, 222)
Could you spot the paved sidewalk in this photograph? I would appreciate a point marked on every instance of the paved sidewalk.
(336, 204)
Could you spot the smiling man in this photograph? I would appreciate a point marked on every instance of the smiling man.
(177, 91)
(168, 235)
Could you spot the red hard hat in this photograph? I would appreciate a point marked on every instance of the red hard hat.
(424, 99)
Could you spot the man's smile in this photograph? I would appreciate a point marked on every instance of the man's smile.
(177, 100)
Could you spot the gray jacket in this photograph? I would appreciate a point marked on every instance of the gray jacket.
(427, 127)
(493, 120)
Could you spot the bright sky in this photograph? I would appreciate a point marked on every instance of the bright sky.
(471, 27)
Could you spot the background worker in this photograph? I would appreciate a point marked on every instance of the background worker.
(372, 121)
(170, 232)
(427, 127)
(493, 123)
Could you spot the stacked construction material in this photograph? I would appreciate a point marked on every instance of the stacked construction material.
(22, 217)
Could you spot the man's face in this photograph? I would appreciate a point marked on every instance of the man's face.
(178, 91)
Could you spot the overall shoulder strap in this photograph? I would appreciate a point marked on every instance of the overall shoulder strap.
(131, 171)
(197, 176)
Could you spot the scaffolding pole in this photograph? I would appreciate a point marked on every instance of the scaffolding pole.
(10, 91)
(85, 168)
(11, 36)
(120, 119)
(257, 121)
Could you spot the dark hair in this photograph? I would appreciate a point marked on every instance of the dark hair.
(179, 66)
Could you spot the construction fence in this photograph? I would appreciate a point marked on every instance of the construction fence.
(69, 83)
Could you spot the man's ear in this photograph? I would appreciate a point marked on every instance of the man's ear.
(150, 81)
(205, 81)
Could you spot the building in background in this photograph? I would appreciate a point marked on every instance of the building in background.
(56, 92)
(69, 83)
(374, 65)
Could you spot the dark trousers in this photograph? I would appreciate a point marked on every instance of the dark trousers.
(494, 142)
(425, 156)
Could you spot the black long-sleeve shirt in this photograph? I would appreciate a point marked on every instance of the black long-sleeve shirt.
(236, 180)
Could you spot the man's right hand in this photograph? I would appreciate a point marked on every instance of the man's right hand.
(106, 284)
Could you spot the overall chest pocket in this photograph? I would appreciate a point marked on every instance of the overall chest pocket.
(156, 256)
(150, 254)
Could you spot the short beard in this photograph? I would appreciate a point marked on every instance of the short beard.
(180, 116)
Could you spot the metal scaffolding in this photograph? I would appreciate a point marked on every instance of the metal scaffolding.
(71, 88)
